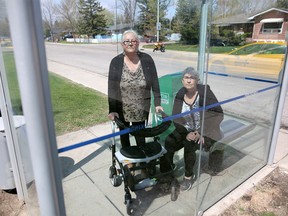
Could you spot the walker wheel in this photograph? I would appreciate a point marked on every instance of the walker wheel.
(129, 208)
(128, 202)
(116, 180)
(112, 171)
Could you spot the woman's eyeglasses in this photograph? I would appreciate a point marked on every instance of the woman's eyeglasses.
(127, 42)
(188, 78)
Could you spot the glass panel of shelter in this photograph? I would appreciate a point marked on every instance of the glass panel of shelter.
(12, 99)
(248, 91)
(243, 148)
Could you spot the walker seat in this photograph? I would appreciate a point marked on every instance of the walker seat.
(144, 153)
(146, 150)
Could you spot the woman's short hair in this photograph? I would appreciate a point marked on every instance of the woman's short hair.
(192, 72)
(130, 31)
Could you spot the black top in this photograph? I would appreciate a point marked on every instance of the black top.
(114, 78)
(213, 116)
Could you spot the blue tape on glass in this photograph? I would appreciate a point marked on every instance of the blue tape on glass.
(128, 130)
(98, 139)
(241, 77)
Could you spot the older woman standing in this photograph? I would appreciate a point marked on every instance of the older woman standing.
(188, 127)
(132, 76)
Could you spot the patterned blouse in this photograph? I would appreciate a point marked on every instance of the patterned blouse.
(132, 88)
(192, 121)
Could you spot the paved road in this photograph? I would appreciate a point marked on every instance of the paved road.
(96, 58)
(88, 61)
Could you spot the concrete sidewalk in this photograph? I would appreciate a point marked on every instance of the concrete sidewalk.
(87, 188)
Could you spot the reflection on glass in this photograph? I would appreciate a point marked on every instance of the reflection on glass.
(244, 78)
(248, 113)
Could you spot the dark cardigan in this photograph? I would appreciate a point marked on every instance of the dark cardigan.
(114, 78)
(213, 116)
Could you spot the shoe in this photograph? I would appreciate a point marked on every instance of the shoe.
(186, 184)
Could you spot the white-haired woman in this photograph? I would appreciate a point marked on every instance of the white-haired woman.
(132, 76)
(188, 127)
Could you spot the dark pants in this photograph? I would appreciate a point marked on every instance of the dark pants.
(175, 141)
(125, 141)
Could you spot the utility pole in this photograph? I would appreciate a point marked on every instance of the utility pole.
(116, 31)
(158, 24)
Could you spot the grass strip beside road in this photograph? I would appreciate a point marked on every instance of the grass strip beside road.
(192, 48)
(74, 106)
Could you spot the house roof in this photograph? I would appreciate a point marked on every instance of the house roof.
(236, 19)
(271, 9)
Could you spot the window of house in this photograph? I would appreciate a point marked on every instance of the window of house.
(271, 25)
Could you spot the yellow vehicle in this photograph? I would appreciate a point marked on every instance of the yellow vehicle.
(259, 60)
(159, 46)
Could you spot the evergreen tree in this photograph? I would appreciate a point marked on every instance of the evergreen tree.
(188, 19)
(92, 18)
(148, 15)
(282, 4)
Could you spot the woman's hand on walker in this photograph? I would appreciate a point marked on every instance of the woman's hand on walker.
(112, 115)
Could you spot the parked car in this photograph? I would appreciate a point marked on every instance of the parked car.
(49, 38)
(217, 42)
(175, 37)
(67, 36)
(258, 60)
(150, 39)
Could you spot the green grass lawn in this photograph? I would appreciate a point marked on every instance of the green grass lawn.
(12, 82)
(74, 106)
(192, 48)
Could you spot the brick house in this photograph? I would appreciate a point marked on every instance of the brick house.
(270, 25)
(237, 23)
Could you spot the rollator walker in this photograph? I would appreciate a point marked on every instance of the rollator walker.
(136, 166)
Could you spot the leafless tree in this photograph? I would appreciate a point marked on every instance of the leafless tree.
(68, 12)
(49, 15)
(224, 8)
(129, 10)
